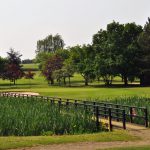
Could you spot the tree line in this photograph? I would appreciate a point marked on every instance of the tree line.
(120, 50)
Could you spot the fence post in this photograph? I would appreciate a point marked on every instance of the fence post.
(85, 106)
(146, 117)
(94, 110)
(124, 119)
(105, 110)
(131, 113)
(59, 104)
(97, 117)
(117, 112)
(75, 103)
(109, 119)
(67, 104)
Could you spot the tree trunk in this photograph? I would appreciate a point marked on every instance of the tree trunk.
(52, 82)
(69, 81)
(86, 82)
(125, 80)
(14, 81)
(64, 81)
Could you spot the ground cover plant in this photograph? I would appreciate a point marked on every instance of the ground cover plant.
(30, 116)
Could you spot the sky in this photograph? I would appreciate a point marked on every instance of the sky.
(24, 22)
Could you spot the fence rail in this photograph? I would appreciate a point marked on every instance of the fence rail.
(107, 110)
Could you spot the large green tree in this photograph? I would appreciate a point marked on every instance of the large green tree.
(53, 63)
(82, 60)
(130, 52)
(117, 51)
(144, 41)
(107, 44)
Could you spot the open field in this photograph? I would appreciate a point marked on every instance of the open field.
(77, 90)
(30, 66)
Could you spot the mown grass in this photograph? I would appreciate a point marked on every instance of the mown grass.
(77, 90)
(30, 66)
(18, 142)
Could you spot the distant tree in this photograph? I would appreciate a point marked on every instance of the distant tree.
(2, 66)
(13, 69)
(144, 42)
(53, 63)
(50, 44)
(42, 57)
(27, 61)
(82, 61)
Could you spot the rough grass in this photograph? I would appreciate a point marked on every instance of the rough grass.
(18, 142)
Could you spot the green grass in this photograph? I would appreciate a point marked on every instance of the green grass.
(30, 66)
(18, 142)
(131, 148)
(77, 90)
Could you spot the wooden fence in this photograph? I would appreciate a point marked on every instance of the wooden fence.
(101, 110)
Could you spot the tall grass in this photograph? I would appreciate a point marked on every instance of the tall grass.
(138, 102)
(24, 117)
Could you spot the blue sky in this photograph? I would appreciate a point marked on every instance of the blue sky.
(24, 22)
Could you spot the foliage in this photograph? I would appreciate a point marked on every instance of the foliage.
(53, 63)
(27, 61)
(13, 69)
(117, 51)
(2, 65)
(144, 61)
(81, 59)
(34, 117)
(50, 44)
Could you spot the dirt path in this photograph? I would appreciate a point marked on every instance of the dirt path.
(144, 134)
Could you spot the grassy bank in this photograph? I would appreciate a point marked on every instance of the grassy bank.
(18, 142)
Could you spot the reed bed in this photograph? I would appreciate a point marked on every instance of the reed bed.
(135, 101)
(25, 117)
